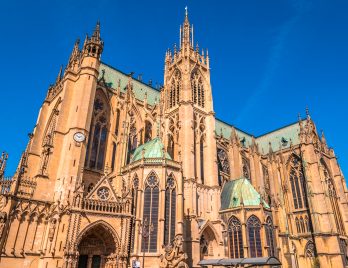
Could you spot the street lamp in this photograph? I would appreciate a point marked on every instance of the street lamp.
(145, 230)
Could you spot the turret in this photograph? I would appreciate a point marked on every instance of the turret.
(93, 46)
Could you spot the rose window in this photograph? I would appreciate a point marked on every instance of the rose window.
(103, 193)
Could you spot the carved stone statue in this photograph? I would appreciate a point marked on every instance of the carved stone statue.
(174, 255)
(52, 229)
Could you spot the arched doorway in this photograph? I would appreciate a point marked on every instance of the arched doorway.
(97, 248)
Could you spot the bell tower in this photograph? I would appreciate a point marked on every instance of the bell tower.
(190, 130)
(188, 108)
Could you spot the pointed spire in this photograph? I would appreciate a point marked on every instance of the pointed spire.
(59, 76)
(96, 34)
(186, 32)
(75, 52)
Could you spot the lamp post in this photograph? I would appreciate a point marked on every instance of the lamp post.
(145, 230)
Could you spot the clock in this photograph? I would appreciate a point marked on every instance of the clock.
(79, 137)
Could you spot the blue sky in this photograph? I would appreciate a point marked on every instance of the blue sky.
(269, 59)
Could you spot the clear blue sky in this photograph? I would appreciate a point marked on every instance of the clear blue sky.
(269, 59)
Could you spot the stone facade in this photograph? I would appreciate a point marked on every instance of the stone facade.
(118, 171)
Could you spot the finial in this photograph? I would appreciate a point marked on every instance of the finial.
(186, 12)
(59, 76)
(307, 112)
(299, 117)
(96, 33)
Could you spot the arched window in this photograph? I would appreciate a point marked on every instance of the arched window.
(170, 211)
(235, 238)
(117, 125)
(270, 237)
(267, 185)
(330, 188)
(246, 168)
(297, 183)
(254, 229)
(150, 213)
(98, 134)
(148, 131)
(198, 94)
(174, 90)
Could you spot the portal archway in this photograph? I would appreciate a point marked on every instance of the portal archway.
(97, 247)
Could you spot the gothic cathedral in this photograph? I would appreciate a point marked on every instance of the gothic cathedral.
(118, 173)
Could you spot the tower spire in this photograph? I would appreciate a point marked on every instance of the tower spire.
(186, 32)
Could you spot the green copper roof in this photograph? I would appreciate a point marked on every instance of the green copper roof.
(113, 77)
(152, 149)
(279, 139)
(240, 191)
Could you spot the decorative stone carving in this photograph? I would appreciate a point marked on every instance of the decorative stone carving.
(174, 255)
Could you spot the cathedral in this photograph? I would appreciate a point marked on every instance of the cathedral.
(118, 173)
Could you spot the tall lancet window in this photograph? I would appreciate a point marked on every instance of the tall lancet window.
(330, 188)
(270, 237)
(174, 90)
(170, 211)
(254, 230)
(98, 134)
(198, 94)
(297, 183)
(150, 213)
(235, 238)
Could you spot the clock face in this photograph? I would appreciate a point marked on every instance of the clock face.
(79, 137)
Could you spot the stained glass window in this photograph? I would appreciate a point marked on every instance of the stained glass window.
(297, 183)
(235, 238)
(254, 229)
(170, 211)
(150, 212)
(270, 237)
(96, 147)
